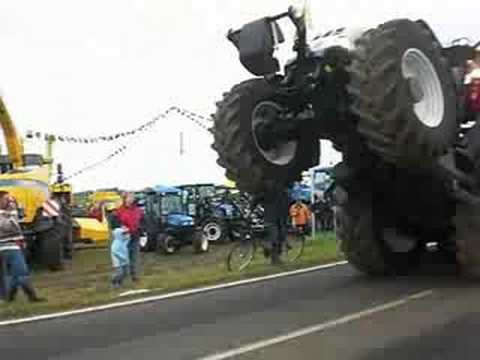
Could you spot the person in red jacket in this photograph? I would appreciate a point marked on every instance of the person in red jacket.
(95, 211)
(131, 217)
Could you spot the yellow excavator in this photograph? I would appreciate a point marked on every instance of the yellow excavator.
(45, 205)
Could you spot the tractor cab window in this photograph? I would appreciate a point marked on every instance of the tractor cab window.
(172, 203)
(152, 205)
(206, 192)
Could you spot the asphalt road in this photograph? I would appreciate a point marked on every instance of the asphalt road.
(346, 316)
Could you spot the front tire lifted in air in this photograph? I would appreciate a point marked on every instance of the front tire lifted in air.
(245, 125)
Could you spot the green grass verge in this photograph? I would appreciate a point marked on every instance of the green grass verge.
(86, 282)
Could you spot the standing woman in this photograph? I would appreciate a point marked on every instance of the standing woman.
(11, 245)
(131, 217)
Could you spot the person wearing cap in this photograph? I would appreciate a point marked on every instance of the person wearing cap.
(11, 250)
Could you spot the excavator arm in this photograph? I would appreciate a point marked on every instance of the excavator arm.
(14, 144)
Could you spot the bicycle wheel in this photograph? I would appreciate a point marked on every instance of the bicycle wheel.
(241, 256)
(293, 247)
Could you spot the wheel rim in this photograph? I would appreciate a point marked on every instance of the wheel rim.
(169, 248)
(240, 257)
(143, 241)
(282, 153)
(425, 87)
(293, 248)
(212, 231)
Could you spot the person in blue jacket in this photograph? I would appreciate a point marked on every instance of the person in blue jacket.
(119, 251)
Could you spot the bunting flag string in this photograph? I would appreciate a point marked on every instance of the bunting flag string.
(198, 119)
(112, 155)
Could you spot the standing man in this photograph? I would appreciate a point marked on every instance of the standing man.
(131, 217)
(300, 214)
(275, 203)
(11, 245)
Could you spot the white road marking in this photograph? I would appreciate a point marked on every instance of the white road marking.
(315, 328)
(167, 296)
(134, 292)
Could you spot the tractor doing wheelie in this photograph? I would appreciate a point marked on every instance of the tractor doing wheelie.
(391, 100)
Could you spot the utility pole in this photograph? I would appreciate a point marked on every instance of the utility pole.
(182, 149)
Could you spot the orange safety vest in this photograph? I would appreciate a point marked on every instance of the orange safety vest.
(300, 214)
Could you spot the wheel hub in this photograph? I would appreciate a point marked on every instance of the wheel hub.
(143, 241)
(212, 232)
(416, 90)
(280, 152)
(424, 86)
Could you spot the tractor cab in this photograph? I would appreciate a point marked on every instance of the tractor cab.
(215, 209)
(167, 224)
(196, 198)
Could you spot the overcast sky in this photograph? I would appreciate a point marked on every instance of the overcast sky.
(96, 67)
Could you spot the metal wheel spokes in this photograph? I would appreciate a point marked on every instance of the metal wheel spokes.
(241, 256)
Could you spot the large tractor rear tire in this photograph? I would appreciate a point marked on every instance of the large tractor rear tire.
(403, 93)
(52, 246)
(214, 230)
(250, 166)
(68, 246)
(363, 241)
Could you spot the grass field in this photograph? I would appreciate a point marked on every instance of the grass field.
(86, 281)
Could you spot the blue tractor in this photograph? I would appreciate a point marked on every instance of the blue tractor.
(167, 225)
(217, 209)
